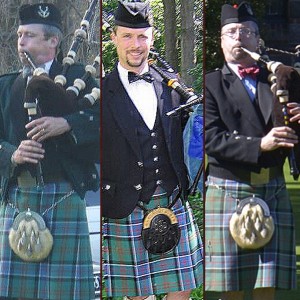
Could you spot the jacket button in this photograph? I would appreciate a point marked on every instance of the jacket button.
(106, 187)
(138, 187)
(140, 164)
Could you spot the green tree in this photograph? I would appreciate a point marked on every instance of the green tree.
(164, 35)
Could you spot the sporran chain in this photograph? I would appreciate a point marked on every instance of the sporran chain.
(238, 199)
(50, 207)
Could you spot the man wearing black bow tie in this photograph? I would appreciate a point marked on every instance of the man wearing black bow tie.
(143, 168)
(246, 153)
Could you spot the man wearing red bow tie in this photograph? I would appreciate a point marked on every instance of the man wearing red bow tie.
(246, 187)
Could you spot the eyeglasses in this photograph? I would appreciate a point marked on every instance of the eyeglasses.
(245, 32)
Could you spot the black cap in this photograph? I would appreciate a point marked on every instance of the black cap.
(42, 13)
(237, 13)
(133, 14)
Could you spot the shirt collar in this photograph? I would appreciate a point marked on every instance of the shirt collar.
(48, 65)
(235, 68)
(124, 72)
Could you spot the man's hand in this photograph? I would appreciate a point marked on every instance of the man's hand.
(294, 110)
(279, 137)
(28, 152)
(43, 128)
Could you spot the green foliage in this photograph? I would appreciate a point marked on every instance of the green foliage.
(109, 56)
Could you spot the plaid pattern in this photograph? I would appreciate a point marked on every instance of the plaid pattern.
(67, 273)
(130, 270)
(228, 267)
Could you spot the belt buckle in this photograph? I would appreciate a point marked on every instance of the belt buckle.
(25, 180)
(262, 177)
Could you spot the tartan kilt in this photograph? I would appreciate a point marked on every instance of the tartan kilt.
(130, 270)
(230, 268)
(66, 274)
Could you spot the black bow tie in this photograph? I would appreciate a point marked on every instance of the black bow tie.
(132, 77)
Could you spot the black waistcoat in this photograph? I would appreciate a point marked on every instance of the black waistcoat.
(158, 170)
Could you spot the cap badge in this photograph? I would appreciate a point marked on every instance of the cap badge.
(249, 9)
(43, 13)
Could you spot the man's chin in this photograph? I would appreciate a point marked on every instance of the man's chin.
(134, 64)
(238, 55)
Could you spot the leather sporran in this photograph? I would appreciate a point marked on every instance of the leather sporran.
(29, 237)
(161, 232)
(252, 226)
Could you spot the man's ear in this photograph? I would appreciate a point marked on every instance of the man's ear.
(54, 42)
(113, 37)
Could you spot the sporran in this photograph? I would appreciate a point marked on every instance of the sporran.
(160, 233)
(29, 237)
(252, 226)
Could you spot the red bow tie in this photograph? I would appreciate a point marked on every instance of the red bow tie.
(250, 71)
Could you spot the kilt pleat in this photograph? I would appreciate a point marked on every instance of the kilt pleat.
(230, 268)
(67, 272)
(130, 270)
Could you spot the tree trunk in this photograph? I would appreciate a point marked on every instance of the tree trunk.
(170, 33)
(187, 40)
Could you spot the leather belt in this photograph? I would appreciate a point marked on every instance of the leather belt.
(263, 177)
(25, 180)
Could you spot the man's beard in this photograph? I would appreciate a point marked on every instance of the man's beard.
(135, 64)
(237, 55)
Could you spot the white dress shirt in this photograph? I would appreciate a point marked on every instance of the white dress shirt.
(142, 94)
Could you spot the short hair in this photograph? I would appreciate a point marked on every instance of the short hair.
(53, 31)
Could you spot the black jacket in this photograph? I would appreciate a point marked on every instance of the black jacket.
(234, 126)
(122, 171)
(76, 152)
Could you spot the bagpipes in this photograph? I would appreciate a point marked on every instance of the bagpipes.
(50, 97)
(167, 73)
(190, 99)
(285, 86)
(45, 97)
